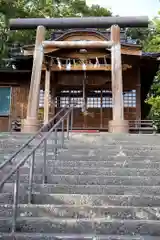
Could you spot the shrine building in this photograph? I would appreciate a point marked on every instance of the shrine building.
(79, 76)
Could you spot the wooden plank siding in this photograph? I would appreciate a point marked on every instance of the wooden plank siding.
(19, 101)
(4, 124)
(19, 84)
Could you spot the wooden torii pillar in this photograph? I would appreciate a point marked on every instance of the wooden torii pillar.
(31, 123)
(118, 124)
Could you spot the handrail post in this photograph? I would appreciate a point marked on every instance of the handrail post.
(71, 120)
(62, 134)
(45, 162)
(55, 142)
(31, 173)
(15, 201)
(68, 122)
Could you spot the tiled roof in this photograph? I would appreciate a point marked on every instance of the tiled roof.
(150, 54)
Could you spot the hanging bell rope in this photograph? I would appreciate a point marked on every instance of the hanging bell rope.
(84, 93)
(84, 105)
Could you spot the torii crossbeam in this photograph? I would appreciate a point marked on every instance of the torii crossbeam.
(84, 22)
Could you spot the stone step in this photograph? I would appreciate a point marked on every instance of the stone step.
(63, 157)
(149, 161)
(79, 211)
(19, 142)
(100, 163)
(124, 142)
(132, 146)
(83, 226)
(14, 146)
(90, 180)
(85, 199)
(116, 171)
(86, 189)
(43, 236)
(20, 135)
(131, 153)
(114, 147)
(112, 154)
(77, 157)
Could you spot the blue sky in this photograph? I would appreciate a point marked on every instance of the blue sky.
(130, 8)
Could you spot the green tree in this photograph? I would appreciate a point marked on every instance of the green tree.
(39, 8)
(152, 44)
(139, 34)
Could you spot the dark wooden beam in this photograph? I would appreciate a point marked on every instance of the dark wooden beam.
(84, 22)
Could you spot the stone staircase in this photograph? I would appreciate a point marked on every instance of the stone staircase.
(101, 186)
(11, 142)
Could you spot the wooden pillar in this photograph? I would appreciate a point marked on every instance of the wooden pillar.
(53, 98)
(118, 124)
(31, 123)
(138, 96)
(53, 94)
(46, 96)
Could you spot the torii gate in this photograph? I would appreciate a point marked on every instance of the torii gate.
(117, 124)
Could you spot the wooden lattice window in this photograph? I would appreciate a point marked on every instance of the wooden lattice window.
(129, 98)
(64, 101)
(70, 98)
(76, 99)
(107, 99)
(41, 99)
(93, 102)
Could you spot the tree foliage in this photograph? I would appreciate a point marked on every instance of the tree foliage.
(152, 44)
(139, 34)
(39, 8)
(149, 38)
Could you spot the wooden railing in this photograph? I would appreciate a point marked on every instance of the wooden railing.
(142, 126)
(135, 126)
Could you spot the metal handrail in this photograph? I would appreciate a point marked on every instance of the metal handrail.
(42, 129)
(69, 116)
